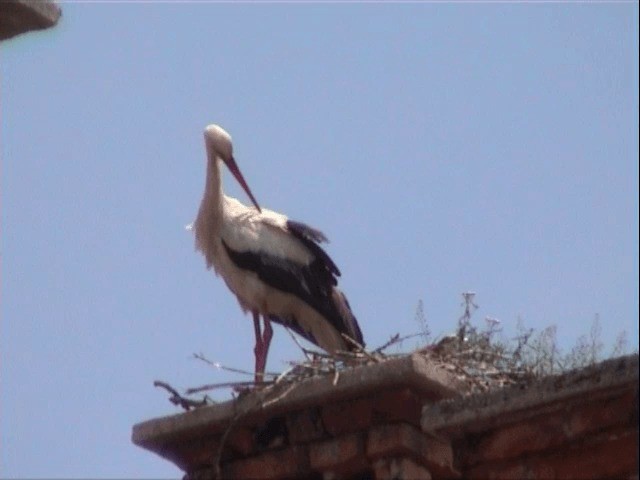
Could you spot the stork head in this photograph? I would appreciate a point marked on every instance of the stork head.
(219, 147)
(218, 142)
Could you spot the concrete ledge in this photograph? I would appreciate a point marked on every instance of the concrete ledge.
(21, 16)
(167, 436)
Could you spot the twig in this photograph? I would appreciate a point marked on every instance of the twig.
(178, 399)
(395, 339)
(359, 348)
(214, 386)
(289, 388)
(283, 375)
(352, 342)
(219, 366)
(304, 350)
(223, 440)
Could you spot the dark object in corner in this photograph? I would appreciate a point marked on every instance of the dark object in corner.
(21, 16)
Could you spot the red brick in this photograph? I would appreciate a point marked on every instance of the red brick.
(513, 440)
(346, 417)
(603, 414)
(399, 469)
(550, 430)
(613, 455)
(304, 426)
(241, 440)
(200, 451)
(503, 470)
(340, 455)
(403, 440)
(292, 462)
(398, 405)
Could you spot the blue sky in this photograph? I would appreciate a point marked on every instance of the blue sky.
(441, 148)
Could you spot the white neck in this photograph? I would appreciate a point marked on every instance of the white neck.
(209, 219)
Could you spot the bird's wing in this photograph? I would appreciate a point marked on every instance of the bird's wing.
(294, 326)
(310, 282)
(311, 237)
(286, 255)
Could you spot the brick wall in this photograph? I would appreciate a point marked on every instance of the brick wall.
(580, 425)
(406, 418)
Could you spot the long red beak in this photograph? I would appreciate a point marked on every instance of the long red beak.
(233, 167)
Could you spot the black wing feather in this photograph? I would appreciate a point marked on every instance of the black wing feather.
(306, 282)
(291, 324)
(313, 283)
(311, 237)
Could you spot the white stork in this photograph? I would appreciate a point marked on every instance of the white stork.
(273, 265)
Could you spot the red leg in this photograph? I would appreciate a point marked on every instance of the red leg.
(263, 340)
(258, 350)
(266, 339)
